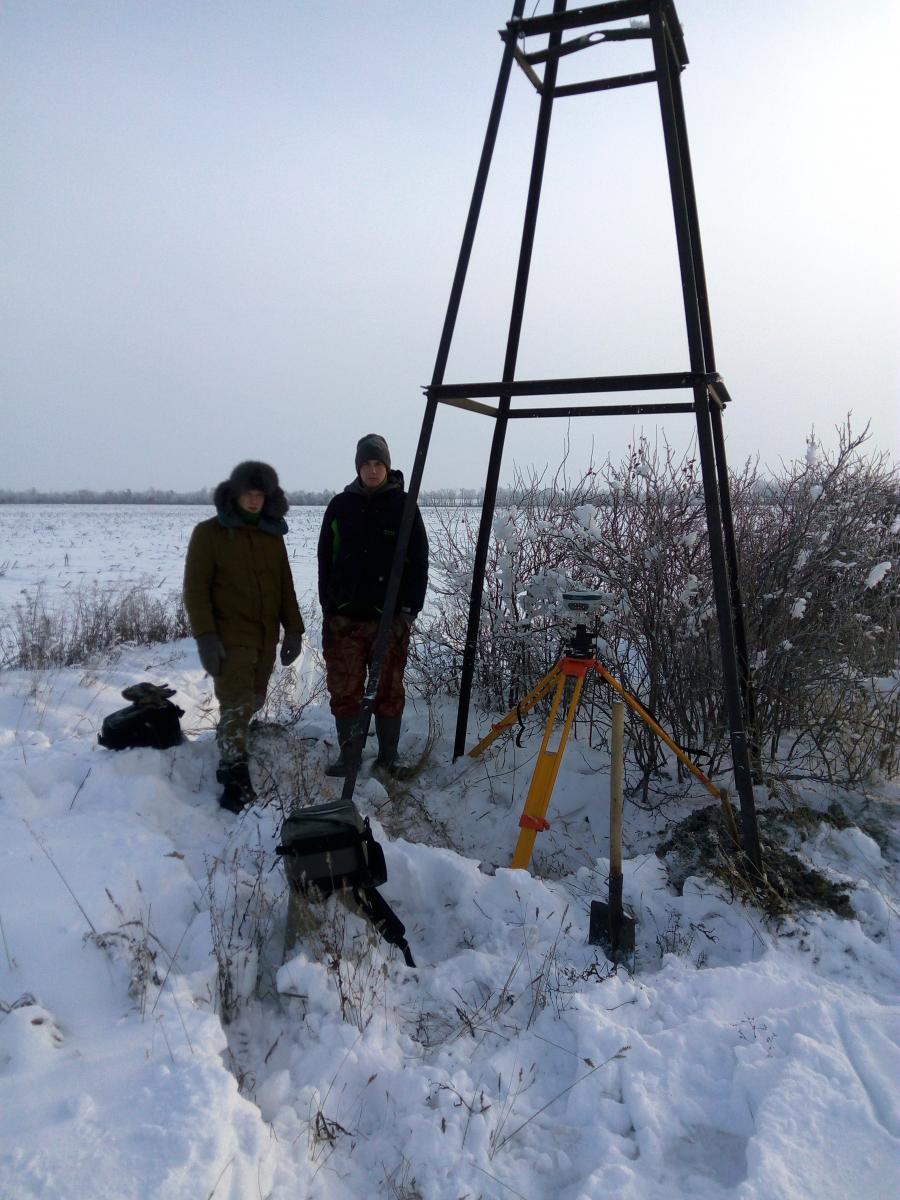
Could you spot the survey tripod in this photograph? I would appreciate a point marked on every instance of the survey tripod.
(568, 676)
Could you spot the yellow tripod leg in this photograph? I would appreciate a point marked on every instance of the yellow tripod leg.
(537, 693)
(719, 793)
(545, 772)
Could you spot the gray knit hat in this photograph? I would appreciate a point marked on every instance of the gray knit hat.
(372, 448)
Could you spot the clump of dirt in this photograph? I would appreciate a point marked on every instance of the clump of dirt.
(702, 845)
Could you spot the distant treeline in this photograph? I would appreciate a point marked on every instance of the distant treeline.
(437, 498)
(433, 498)
(129, 496)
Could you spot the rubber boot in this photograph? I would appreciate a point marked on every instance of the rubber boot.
(237, 788)
(344, 727)
(388, 732)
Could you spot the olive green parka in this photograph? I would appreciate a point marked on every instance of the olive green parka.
(237, 577)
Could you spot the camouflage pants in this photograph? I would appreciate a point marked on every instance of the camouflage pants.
(347, 646)
(240, 690)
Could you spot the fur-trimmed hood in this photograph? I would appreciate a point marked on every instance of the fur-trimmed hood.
(252, 476)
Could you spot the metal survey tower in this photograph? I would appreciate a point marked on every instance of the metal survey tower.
(558, 34)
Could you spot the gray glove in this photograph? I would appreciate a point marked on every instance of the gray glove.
(290, 648)
(212, 653)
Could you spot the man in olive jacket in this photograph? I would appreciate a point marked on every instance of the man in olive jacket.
(239, 593)
(356, 552)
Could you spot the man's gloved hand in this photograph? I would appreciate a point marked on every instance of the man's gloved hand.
(290, 648)
(212, 653)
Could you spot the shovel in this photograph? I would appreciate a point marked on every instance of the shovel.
(611, 926)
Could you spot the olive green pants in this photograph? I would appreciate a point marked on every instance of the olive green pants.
(240, 689)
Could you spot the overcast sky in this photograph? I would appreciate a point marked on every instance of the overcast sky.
(229, 230)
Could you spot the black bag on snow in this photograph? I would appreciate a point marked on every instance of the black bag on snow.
(150, 720)
(331, 848)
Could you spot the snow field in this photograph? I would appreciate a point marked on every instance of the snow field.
(761, 1061)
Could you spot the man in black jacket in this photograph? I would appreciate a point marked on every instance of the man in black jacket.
(356, 551)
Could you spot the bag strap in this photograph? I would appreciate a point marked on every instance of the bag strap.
(385, 920)
(322, 844)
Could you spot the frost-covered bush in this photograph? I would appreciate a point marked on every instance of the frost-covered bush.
(518, 639)
(817, 543)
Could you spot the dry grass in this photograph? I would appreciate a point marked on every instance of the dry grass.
(86, 623)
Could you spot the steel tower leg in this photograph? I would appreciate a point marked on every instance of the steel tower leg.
(415, 482)
(509, 374)
(695, 308)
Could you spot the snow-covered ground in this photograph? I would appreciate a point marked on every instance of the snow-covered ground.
(732, 1059)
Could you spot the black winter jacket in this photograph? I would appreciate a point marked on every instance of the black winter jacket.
(356, 550)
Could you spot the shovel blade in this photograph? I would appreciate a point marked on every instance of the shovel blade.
(611, 928)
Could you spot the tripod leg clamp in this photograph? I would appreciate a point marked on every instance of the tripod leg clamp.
(537, 823)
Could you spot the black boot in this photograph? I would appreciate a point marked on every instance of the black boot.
(388, 731)
(237, 788)
(344, 727)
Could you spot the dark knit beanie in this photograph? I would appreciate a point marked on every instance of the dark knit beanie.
(372, 448)
(254, 477)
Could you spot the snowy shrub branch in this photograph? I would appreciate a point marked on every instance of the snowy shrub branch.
(817, 543)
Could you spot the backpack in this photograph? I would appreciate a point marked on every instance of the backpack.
(329, 848)
(150, 720)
